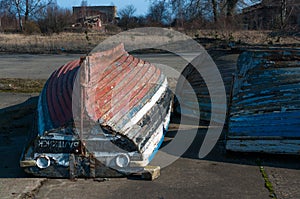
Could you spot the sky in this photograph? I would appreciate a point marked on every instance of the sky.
(140, 5)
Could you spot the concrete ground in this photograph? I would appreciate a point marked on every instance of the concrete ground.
(219, 175)
(31, 66)
(41, 66)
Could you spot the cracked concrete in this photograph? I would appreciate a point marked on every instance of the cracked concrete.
(186, 178)
(11, 188)
(286, 182)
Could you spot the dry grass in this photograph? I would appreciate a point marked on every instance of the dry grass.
(248, 37)
(18, 85)
(83, 43)
(56, 43)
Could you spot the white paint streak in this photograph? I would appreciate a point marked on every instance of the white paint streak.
(139, 115)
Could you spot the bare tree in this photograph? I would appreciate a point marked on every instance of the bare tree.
(215, 10)
(289, 10)
(18, 5)
(25, 8)
(187, 9)
(231, 7)
(127, 12)
(5, 14)
(55, 19)
(127, 16)
(84, 4)
(287, 7)
(159, 13)
(178, 9)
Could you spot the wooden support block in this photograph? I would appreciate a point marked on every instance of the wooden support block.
(151, 172)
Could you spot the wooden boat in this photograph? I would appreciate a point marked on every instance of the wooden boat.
(104, 115)
(265, 103)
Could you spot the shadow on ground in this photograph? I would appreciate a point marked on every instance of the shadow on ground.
(15, 125)
(219, 153)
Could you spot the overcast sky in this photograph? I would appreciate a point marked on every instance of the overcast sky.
(140, 5)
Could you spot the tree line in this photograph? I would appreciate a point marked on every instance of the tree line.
(187, 13)
(47, 17)
(33, 16)
(219, 14)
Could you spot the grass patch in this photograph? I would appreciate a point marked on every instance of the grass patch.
(84, 42)
(18, 85)
(268, 183)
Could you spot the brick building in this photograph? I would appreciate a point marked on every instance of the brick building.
(273, 14)
(107, 14)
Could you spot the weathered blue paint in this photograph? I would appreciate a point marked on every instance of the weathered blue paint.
(158, 146)
(44, 122)
(265, 103)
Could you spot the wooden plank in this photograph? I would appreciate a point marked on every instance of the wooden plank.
(266, 103)
(265, 146)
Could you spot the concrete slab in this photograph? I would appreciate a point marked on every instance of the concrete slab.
(186, 178)
(286, 182)
(10, 99)
(32, 66)
(29, 66)
(11, 188)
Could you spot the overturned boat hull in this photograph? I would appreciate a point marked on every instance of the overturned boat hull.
(265, 103)
(104, 115)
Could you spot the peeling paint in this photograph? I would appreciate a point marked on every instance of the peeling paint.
(123, 101)
(265, 103)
